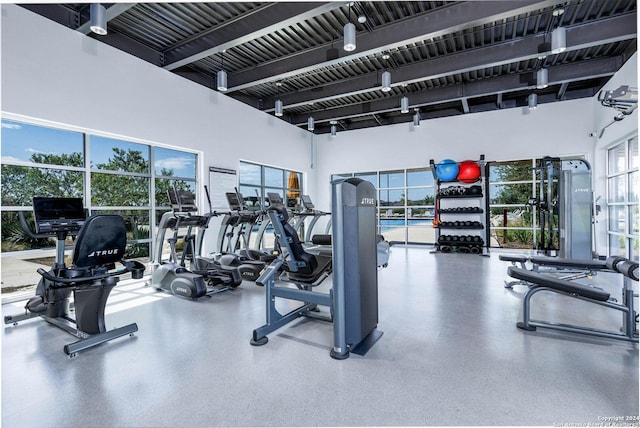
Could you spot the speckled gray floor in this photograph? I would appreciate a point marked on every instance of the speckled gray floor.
(450, 355)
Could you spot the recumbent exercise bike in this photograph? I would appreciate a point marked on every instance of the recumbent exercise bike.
(100, 242)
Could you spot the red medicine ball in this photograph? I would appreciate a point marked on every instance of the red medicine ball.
(469, 172)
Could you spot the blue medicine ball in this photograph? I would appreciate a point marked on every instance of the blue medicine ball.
(447, 170)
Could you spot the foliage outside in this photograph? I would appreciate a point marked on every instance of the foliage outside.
(108, 188)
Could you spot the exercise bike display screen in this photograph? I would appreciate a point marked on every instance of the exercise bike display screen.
(58, 214)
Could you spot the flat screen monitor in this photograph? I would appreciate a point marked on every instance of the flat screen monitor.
(54, 214)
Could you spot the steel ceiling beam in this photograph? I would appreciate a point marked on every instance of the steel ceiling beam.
(487, 87)
(489, 106)
(442, 21)
(579, 37)
(250, 26)
(59, 13)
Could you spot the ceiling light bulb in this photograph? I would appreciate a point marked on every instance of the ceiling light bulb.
(349, 37)
(98, 16)
(558, 40)
(542, 78)
(222, 80)
(386, 81)
(404, 104)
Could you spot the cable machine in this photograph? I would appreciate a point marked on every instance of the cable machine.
(565, 208)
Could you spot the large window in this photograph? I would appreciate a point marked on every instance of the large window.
(513, 221)
(622, 199)
(257, 180)
(406, 203)
(406, 200)
(112, 176)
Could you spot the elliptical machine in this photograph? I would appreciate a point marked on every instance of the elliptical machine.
(204, 278)
(234, 236)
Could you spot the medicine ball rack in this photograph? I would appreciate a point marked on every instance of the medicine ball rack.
(465, 206)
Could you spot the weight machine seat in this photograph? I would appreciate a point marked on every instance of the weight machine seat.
(542, 280)
(570, 263)
(301, 266)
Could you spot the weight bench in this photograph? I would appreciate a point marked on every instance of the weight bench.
(579, 268)
(540, 282)
(515, 261)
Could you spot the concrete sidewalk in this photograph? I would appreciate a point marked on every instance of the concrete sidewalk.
(16, 273)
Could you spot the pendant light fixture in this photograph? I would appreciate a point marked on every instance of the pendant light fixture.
(349, 34)
(386, 81)
(98, 16)
(278, 105)
(532, 101)
(404, 101)
(386, 75)
(334, 130)
(558, 40)
(311, 124)
(542, 78)
(404, 104)
(559, 35)
(416, 118)
(222, 76)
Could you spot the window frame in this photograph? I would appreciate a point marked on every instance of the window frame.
(152, 208)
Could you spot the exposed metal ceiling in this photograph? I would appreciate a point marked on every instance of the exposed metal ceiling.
(447, 57)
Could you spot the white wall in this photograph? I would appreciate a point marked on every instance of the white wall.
(52, 73)
(555, 129)
(627, 75)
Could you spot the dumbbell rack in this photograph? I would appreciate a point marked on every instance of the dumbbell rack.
(462, 210)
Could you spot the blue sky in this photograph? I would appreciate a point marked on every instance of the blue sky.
(20, 141)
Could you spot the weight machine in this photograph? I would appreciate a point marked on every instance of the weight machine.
(353, 300)
(565, 208)
(624, 99)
